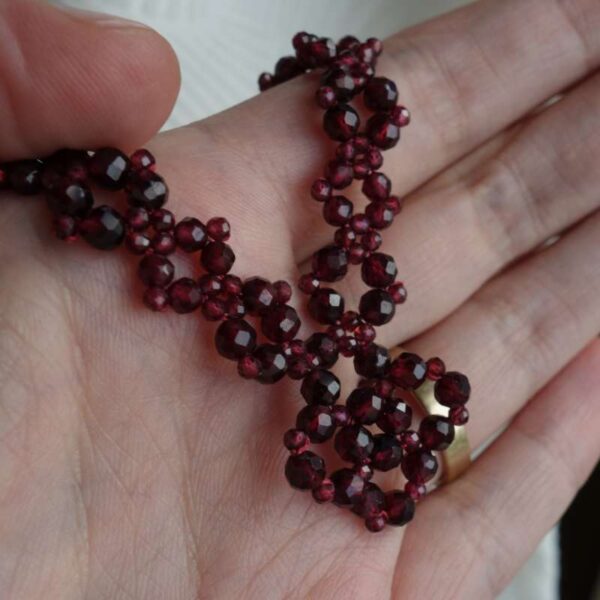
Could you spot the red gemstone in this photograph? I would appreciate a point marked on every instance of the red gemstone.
(364, 405)
(419, 466)
(381, 93)
(325, 347)
(103, 228)
(337, 210)
(65, 228)
(377, 307)
(400, 116)
(340, 414)
(330, 263)
(265, 81)
(345, 237)
(326, 306)
(137, 218)
(213, 309)
(380, 215)
(372, 360)
(248, 367)
(341, 83)
(408, 371)
(376, 523)
(235, 338)
(163, 243)
(137, 242)
(321, 190)
(370, 503)
(210, 284)
(295, 440)
(396, 416)
(308, 283)
(409, 440)
(232, 284)
(283, 291)
(400, 508)
(287, 68)
(398, 293)
(70, 198)
(416, 491)
(184, 295)
(219, 229)
(305, 471)
(280, 323)
(272, 361)
(354, 443)
(142, 159)
(436, 432)
(147, 189)
(156, 298)
(317, 422)
(341, 122)
(377, 186)
(190, 234)
(217, 258)
(379, 270)
(321, 387)
(339, 174)
(435, 368)
(162, 219)
(459, 415)
(259, 294)
(387, 452)
(110, 168)
(382, 132)
(156, 271)
(325, 97)
(324, 492)
(348, 487)
(453, 389)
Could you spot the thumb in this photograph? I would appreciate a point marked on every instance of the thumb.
(72, 79)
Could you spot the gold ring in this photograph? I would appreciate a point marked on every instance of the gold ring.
(455, 459)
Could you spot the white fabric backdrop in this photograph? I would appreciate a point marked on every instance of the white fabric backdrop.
(223, 45)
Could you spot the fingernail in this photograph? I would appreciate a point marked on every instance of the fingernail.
(99, 18)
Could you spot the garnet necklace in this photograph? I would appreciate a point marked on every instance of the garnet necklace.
(372, 428)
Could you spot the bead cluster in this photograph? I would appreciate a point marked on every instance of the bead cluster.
(381, 399)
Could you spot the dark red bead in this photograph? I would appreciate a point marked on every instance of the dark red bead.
(341, 122)
(156, 271)
(400, 116)
(184, 295)
(395, 417)
(280, 323)
(459, 415)
(25, 177)
(325, 347)
(305, 471)
(348, 345)
(213, 309)
(265, 81)
(142, 159)
(69, 164)
(377, 186)
(377, 307)
(400, 508)
(419, 466)
(436, 432)
(341, 83)
(408, 371)
(210, 284)
(379, 270)
(398, 293)
(324, 492)
(348, 487)
(380, 215)
(235, 338)
(321, 190)
(361, 170)
(308, 283)
(337, 210)
(376, 45)
(371, 241)
(147, 189)
(382, 132)
(248, 367)
(364, 405)
(394, 204)
(376, 523)
(387, 452)
(348, 42)
(381, 93)
(321, 387)
(137, 219)
(317, 422)
(346, 151)
(272, 361)
(356, 254)
(409, 440)
(259, 294)
(65, 228)
(360, 223)
(339, 174)
(370, 503)
(415, 490)
(190, 234)
(156, 299)
(283, 291)
(162, 219)
(345, 237)
(330, 263)
(453, 389)
(295, 440)
(110, 168)
(219, 229)
(325, 97)
(326, 306)
(372, 361)
(234, 306)
(103, 228)
(374, 158)
(70, 198)
(217, 258)
(354, 443)
(287, 68)
(435, 368)
(320, 52)
(298, 367)
(232, 284)
(163, 243)
(340, 414)
(137, 242)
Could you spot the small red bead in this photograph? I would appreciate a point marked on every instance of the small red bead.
(248, 367)
(371, 241)
(65, 228)
(295, 440)
(219, 229)
(398, 293)
(340, 415)
(339, 174)
(287, 68)
(210, 284)
(325, 97)
(308, 283)
(400, 116)
(156, 298)
(348, 345)
(365, 334)
(265, 81)
(156, 271)
(137, 218)
(376, 523)
(416, 491)
(324, 347)
(283, 291)
(370, 503)
(232, 284)
(394, 204)
(213, 309)
(184, 295)
(137, 242)
(163, 243)
(459, 415)
(360, 223)
(409, 440)
(435, 368)
(142, 159)
(346, 151)
(321, 190)
(380, 215)
(217, 258)
(324, 492)
(345, 237)
(162, 219)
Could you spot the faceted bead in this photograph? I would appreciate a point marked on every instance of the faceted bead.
(399, 507)
(305, 471)
(162, 219)
(68, 164)
(376, 523)
(321, 387)
(325, 347)
(384, 388)
(364, 405)
(387, 452)
(295, 440)
(382, 132)
(341, 122)
(398, 293)
(377, 186)
(400, 116)
(348, 487)
(361, 170)
(326, 305)
(298, 367)
(419, 466)
(396, 416)
(354, 444)
(184, 295)
(348, 42)
(348, 345)
(321, 51)
(280, 323)
(453, 389)
(65, 228)
(371, 241)
(103, 228)
(137, 219)
(340, 414)
(341, 83)
(110, 168)
(380, 93)
(287, 68)
(308, 283)
(370, 503)
(339, 174)
(350, 320)
(259, 295)
(324, 492)
(325, 97)
(380, 215)
(330, 263)
(235, 338)
(321, 190)
(344, 237)
(377, 307)
(356, 254)
(317, 422)
(415, 490)
(232, 284)
(265, 81)
(163, 243)
(372, 361)
(360, 223)
(213, 309)
(408, 371)
(156, 299)
(156, 271)
(379, 270)
(394, 204)
(190, 234)
(210, 284)
(142, 159)
(435, 368)
(234, 306)
(248, 367)
(25, 177)
(273, 364)
(364, 471)
(137, 242)
(374, 158)
(73, 199)
(346, 151)
(219, 229)
(459, 415)
(148, 190)
(337, 210)
(436, 432)
(217, 258)
(409, 440)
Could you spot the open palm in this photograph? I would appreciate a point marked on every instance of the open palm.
(135, 463)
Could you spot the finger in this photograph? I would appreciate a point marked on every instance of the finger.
(477, 532)
(522, 327)
(71, 79)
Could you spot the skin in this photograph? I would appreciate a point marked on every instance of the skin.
(134, 463)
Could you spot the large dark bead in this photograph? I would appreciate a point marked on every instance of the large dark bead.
(341, 122)
(354, 443)
(364, 404)
(185, 295)
(400, 507)
(387, 452)
(148, 190)
(342, 82)
(324, 347)
(337, 210)
(379, 270)
(452, 389)
(287, 68)
(110, 168)
(320, 387)
(372, 361)
(70, 198)
(377, 307)
(330, 263)
(382, 131)
(370, 503)
(235, 338)
(396, 416)
(349, 487)
(381, 93)
(25, 177)
(156, 271)
(217, 258)
(436, 432)
(317, 422)
(103, 228)
(305, 471)
(408, 371)
(190, 234)
(326, 306)
(272, 361)
(280, 323)
(259, 294)
(419, 466)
